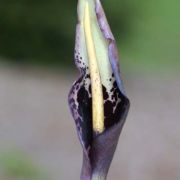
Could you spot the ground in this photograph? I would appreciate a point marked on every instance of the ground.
(35, 119)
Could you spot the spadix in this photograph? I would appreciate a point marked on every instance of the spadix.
(96, 84)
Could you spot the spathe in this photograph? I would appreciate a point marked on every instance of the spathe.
(98, 148)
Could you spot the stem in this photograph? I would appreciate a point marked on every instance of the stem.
(98, 177)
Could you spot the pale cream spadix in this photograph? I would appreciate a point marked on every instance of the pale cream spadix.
(96, 85)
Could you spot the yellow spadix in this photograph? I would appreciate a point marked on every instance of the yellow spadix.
(96, 84)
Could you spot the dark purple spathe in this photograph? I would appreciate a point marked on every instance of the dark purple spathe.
(98, 150)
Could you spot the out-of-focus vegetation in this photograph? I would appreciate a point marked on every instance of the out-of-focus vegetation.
(36, 31)
(40, 32)
(16, 165)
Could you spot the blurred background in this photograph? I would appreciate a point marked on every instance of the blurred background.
(37, 134)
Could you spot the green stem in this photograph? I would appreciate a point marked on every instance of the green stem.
(98, 177)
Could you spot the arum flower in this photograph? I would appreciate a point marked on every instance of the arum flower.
(97, 99)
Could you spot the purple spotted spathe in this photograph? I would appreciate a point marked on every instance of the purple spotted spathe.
(98, 150)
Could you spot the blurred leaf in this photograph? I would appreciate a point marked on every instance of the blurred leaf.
(18, 165)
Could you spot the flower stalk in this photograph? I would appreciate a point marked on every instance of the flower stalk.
(98, 177)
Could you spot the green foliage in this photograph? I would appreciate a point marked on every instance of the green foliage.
(154, 43)
(16, 165)
(37, 30)
(42, 32)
